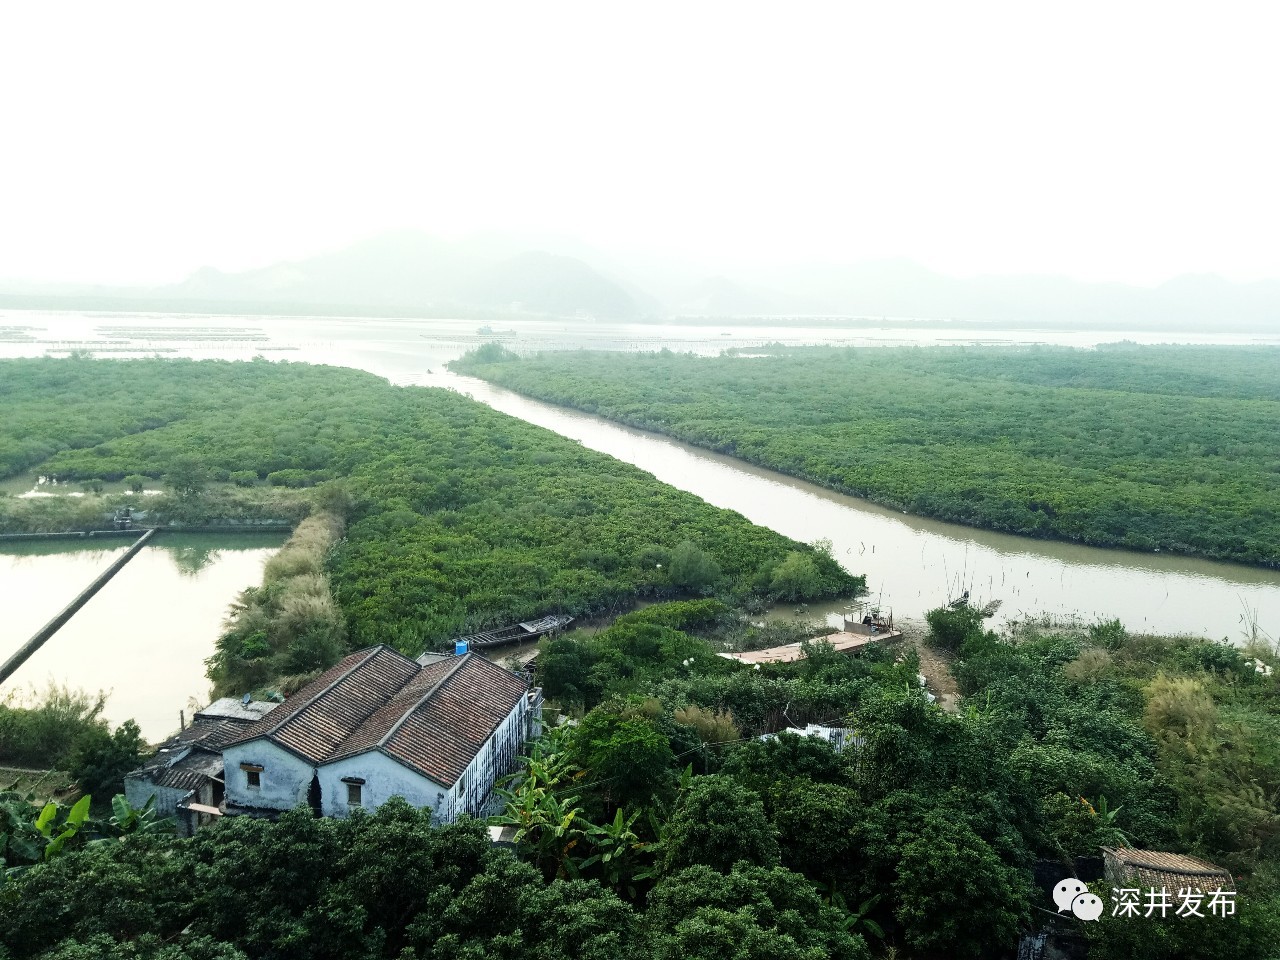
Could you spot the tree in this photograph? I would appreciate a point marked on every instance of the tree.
(135, 483)
(628, 761)
(100, 759)
(717, 823)
(693, 569)
(748, 913)
(816, 825)
(758, 764)
(954, 896)
(949, 627)
(187, 478)
(797, 577)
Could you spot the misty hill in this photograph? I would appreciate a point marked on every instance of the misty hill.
(413, 271)
(505, 276)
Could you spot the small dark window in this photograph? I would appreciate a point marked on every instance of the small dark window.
(253, 779)
(353, 795)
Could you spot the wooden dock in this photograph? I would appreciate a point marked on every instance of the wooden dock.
(842, 642)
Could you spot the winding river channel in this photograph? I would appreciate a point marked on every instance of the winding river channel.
(911, 564)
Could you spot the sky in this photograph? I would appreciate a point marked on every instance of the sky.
(1102, 141)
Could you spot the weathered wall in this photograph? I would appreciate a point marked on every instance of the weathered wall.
(286, 778)
(138, 792)
(384, 778)
(495, 760)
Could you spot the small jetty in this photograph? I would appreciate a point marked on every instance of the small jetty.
(520, 633)
(871, 629)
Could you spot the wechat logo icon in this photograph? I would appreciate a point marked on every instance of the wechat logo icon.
(1072, 895)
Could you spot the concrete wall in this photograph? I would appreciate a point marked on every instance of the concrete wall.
(285, 778)
(138, 792)
(495, 760)
(384, 778)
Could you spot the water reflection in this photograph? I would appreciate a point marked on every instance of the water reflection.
(146, 635)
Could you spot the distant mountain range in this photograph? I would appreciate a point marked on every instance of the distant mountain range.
(413, 274)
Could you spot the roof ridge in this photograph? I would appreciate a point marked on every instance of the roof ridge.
(395, 727)
(1127, 856)
(370, 653)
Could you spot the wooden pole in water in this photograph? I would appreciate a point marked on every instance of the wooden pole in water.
(69, 611)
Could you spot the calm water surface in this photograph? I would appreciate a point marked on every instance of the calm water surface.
(144, 637)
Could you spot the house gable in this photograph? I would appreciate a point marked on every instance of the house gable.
(283, 777)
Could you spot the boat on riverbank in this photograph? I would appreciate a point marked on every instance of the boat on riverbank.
(519, 633)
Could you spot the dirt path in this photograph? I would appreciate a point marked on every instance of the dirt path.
(935, 666)
(45, 784)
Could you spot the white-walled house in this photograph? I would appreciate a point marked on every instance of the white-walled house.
(183, 779)
(380, 725)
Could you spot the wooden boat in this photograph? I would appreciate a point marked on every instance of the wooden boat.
(520, 633)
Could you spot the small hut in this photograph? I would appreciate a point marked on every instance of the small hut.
(1151, 869)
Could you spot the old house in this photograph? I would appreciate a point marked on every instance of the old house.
(185, 775)
(379, 725)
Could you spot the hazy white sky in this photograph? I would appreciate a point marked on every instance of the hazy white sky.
(1126, 141)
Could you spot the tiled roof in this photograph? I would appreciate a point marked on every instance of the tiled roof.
(1155, 868)
(191, 772)
(445, 731)
(205, 739)
(431, 718)
(325, 712)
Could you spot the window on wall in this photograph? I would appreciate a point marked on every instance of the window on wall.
(252, 775)
(354, 798)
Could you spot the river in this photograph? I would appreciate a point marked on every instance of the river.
(911, 564)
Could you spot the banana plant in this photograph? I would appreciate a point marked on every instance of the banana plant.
(67, 829)
(125, 819)
(549, 828)
(1108, 832)
(857, 921)
(618, 851)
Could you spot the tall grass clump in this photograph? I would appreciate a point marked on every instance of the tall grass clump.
(289, 626)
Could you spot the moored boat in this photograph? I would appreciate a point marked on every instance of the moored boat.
(519, 633)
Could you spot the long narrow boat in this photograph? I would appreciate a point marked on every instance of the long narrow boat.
(520, 633)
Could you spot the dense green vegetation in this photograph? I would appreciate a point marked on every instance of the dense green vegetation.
(928, 829)
(457, 517)
(64, 729)
(1168, 448)
(290, 626)
(661, 825)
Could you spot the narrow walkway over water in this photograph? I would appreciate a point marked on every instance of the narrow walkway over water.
(24, 652)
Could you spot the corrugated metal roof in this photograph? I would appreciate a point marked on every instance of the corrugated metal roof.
(432, 718)
(229, 708)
